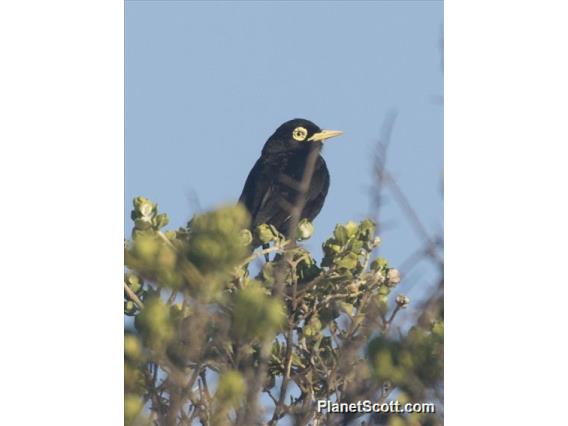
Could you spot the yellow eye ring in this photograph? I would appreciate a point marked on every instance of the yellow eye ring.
(300, 134)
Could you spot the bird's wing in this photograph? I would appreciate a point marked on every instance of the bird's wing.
(281, 196)
(318, 191)
(265, 196)
(268, 197)
(257, 190)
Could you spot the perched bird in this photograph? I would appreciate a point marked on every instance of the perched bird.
(273, 185)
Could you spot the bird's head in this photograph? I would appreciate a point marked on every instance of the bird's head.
(297, 135)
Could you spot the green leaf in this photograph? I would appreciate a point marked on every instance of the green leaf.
(346, 307)
(246, 237)
(130, 308)
(134, 282)
(305, 230)
(265, 233)
(231, 388)
(132, 347)
(215, 239)
(154, 323)
(341, 234)
(313, 328)
(142, 224)
(161, 220)
(348, 261)
(379, 264)
(132, 407)
(144, 208)
(367, 229)
(256, 315)
(297, 361)
(351, 229)
(355, 246)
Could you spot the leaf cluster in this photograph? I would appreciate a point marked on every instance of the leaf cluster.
(213, 331)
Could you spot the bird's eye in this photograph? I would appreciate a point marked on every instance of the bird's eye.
(299, 134)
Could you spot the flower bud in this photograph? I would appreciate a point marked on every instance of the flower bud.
(246, 237)
(265, 233)
(305, 230)
(129, 307)
(402, 300)
(393, 277)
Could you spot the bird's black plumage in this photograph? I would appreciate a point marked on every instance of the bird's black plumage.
(272, 186)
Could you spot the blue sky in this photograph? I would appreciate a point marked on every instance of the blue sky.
(208, 82)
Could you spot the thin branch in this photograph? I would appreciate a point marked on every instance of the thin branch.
(172, 297)
(279, 273)
(133, 296)
(394, 312)
(166, 240)
(412, 215)
(380, 163)
(411, 261)
(289, 351)
(260, 253)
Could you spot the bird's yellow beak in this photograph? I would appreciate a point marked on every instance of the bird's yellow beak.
(324, 134)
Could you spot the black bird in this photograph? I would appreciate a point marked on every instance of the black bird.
(273, 185)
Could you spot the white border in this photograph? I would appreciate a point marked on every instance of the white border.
(61, 173)
(506, 212)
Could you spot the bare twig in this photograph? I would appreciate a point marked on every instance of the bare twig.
(412, 215)
(289, 351)
(380, 163)
(133, 296)
(255, 255)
